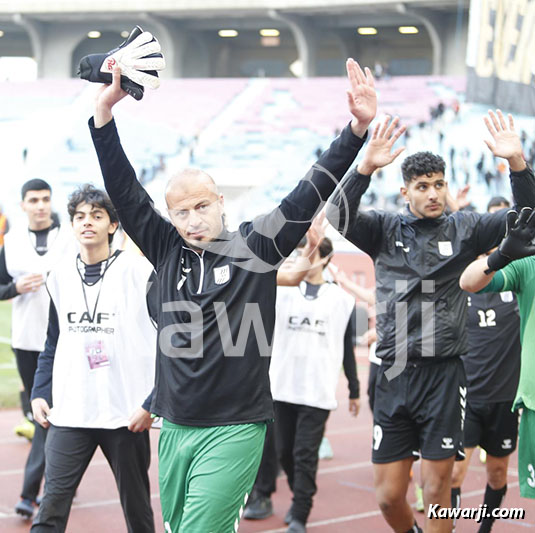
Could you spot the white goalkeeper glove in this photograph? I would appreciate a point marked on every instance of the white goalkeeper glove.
(139, 58)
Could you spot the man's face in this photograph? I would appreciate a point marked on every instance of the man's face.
(92, 225)
(426, 195)
(196, 211)
(38, 207)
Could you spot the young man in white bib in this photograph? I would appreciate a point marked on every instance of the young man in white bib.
(314, 334)
(29, 253)
(96, 373)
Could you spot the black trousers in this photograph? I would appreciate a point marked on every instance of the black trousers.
(298, 433)
(35, 464)
(68, 453)
(266, 478)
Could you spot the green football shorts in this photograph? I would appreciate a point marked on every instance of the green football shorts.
(526, 454)
(206, 475)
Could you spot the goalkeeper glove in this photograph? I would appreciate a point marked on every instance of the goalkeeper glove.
(138, 57)
(519, 232)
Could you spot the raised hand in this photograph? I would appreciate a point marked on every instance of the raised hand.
(315, 233)
(519, 234)
(107, 97)
(507, 142)
(462, 197)
(379, 150)
(361, 98)
(517, 243)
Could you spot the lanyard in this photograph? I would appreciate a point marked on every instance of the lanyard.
(101, 279)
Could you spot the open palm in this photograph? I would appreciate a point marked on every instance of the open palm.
(507, 143)
(362, 98)
(379, 150)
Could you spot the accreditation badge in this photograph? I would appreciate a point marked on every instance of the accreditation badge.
(96, 354)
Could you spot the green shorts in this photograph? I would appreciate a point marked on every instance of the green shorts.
(206, 475)
(526, 454)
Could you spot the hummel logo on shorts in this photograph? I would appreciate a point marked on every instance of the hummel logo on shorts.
(447, 443)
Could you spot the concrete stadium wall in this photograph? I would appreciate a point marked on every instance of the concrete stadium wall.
(193, 48)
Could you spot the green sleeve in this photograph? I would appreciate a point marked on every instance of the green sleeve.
(496, 284)
(510, 278)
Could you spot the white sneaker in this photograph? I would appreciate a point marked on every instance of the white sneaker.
(325, 451)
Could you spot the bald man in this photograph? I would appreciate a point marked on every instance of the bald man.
(212, 387)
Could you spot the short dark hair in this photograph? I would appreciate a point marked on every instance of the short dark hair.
(422, 164)
(89, 194)
(35, 184)
(496, 201)
(325, 248)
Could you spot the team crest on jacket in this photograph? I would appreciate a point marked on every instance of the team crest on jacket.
(221, 274)
(444, 247)
(506, 297)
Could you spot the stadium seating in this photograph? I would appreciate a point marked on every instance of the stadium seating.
(227, 126)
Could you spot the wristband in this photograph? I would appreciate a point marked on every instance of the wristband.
(496, 261)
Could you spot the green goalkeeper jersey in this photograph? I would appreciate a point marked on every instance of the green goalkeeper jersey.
(519, 277)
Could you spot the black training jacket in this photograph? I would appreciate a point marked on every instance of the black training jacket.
(215, 323)
(418, 263)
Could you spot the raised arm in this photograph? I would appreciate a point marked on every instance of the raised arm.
(506, 144)
(490, 227)
(461, 200)
(293, 271)
(366, 295)
(295, 213)
(364, 229)
(474, 278)
(148, 229)
(517, 244)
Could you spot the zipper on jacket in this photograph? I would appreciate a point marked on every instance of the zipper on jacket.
(201, 281)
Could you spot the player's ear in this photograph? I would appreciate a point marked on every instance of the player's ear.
(112, 228)
(403, 191)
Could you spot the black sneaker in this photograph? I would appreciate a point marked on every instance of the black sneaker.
(296, 527)
(258, 508)
(25, 508)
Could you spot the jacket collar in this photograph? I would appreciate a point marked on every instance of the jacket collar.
(410, 218)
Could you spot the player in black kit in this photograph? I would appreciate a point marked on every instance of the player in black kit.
(420, 394)
(492, 366)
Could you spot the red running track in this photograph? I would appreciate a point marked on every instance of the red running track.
(345, 501)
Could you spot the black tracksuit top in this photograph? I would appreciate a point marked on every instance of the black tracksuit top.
(202, 381)
(418, 263)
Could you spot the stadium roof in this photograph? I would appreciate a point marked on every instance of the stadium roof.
(192, 8)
